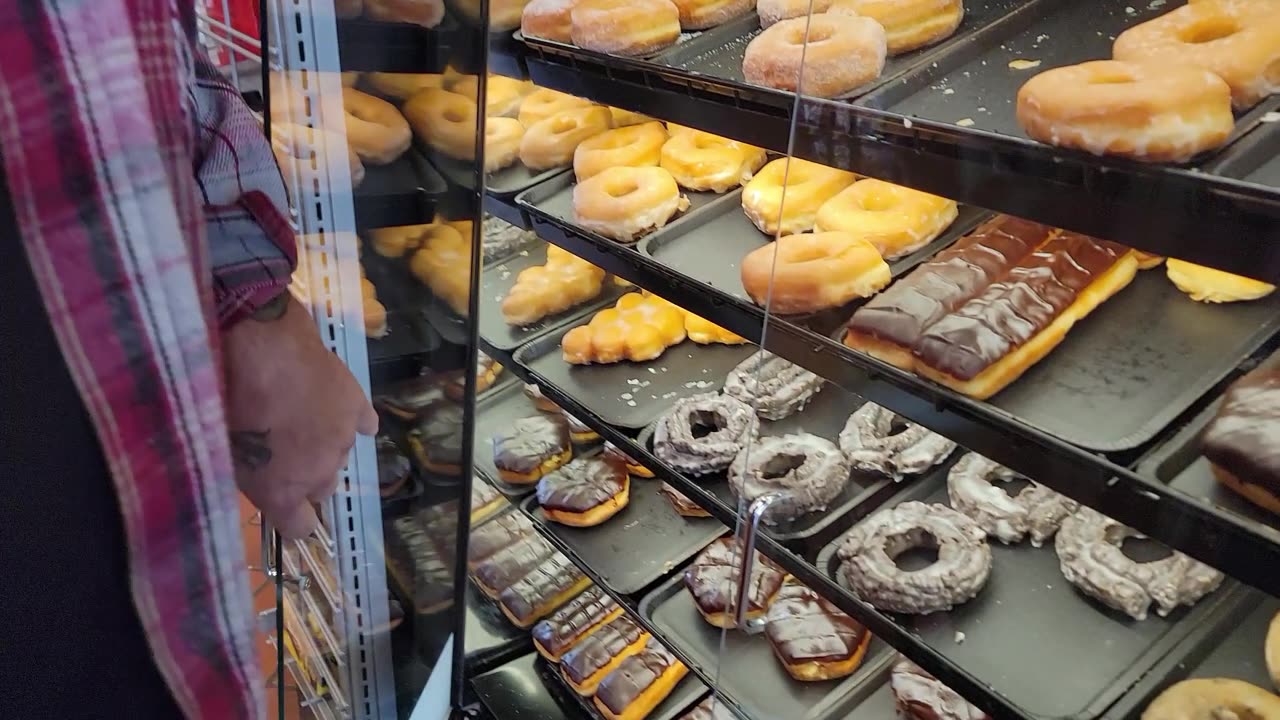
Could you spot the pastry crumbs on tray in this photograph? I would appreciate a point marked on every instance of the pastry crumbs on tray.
(1021, 64)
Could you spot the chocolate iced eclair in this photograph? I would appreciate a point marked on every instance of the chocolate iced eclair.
(596, 655)
(585, 492)
(503, 532)
(485, 501)
(544, 589)
(532, 447)
(591, 610)
(511, 564)
(640, 683)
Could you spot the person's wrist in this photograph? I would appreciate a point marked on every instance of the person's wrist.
(273, 309)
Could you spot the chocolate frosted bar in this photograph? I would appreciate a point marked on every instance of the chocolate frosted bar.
(541, 591)
(501, 533)
(634, 676)
(570, 624)
(1244, 437)
(512, 563)
(600, 648)
(712, 579)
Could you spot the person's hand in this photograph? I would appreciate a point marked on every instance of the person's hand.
(293, 411)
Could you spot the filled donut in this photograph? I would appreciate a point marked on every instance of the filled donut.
(773, 11)
(811, 637)
(624, 27)
(532, 447)
(908, 24)
(920, 696)
(584, 493)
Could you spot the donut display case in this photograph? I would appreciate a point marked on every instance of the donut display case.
(764, 359)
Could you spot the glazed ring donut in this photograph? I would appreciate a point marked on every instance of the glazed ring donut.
(1036, 510)
(632, 146)
(445, 120)
(375, 129)
(427, 13)
(705, 162)
(773, 11)
(1273, 650)
(544, 103)
(872, 446)
(624, 27)
(1213, 698)
(813, 271)
(732, 425)
(502, 95)
(547, 19)
(911, 24)
(502, 137)
(704, 14)
(867, 555)
(552, 142)
(807, 471)
(807, 186)
(623, 203)
(292, 142)
(1156, 113)
(1088, 547)
(624, 118)
(1231, 39)
(403, 86)
(841, 54)
(896, 220)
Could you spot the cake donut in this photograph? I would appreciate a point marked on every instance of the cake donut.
(810, 272)
(731, 424)
(624, 27)
(547, 19)
(1213, 699)
(896, 220)
(633, 468)
(921, 696)
(812, 638)
(681, 503)
(623, 203)
(807, 471)
(908, 24)
(806, 186)
(531, 447)
(709, 163)
(584, 493)
(868, 550)
(1089, 553)
(773, 11)
(375, 128)
(566, 627)
(868, 439)
(712, 581)
(1036, 511)
(630, 146)
(773, 387)
(704, 14)
(823, 56)
(551, 143)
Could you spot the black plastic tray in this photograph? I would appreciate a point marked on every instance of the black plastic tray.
(556, 47)
(405, 192)
(399, 355)
(498, 279)
(690, 688)
(825, 416)
(495, 411)
(750, 676)
(1094, 654)
(1256, 158)
(503, 183)
(488, 638)
(617, 393)
(521, 689)
(645, 541)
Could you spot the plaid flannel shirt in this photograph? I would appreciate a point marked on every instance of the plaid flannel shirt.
(152, 214)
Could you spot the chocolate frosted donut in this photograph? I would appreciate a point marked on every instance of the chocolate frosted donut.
(712, 708)
(712, 580)
(960, 572)
(1036, 510)
(585, 492)
(774, 387)
(393, 467)
(807, 471)
(919, 695)
(1089, 552)
(533, 446)
(703, 433)
(812, 638)
(437, 438)
(869, 442)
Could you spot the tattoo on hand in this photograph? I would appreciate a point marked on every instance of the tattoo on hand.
(250, 448)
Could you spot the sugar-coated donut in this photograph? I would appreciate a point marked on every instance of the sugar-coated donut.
(547, 19)
(1205, 284)
(703, 14)
(774, 11)
(813, 271)
(1157, 113)
(701, 161)
(445, 120)
(502, 95)
(544, 103)
(823, 56)
(551, 143)
(624, 27)
(633, 146)
(375, 129)
(402, 86)
(897, 220)
(1232, 39)
(908, 24)
(623, 203)
(807, 184)
(502, 136)
(427, 13)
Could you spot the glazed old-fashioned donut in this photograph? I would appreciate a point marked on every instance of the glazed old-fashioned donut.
(624, 27)
(908, 24)
(532, 447)
(502, 136)
(1224, 37)
(375, 129)
(631, 146)
(811, 637)
(704, 14)
(806, 471)
(545, 103)
(731, 425)
(896, 220)
(868, 550)
(1088, 546)
(1036, 511)
(805, 185)
(920, 696)
(584, 493)
(820, 56)
(551, 143)
(427, 13)
(809, 272)
(1156, 113)
(773, 11)
(445, 120)
(774, 387)
(701, 161)
(547, 19)
(1213, 699)
(872, 445)
(712, 581)
(623, 203)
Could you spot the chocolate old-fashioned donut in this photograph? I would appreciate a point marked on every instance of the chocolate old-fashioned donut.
(921, 696)
(1090, 555)
(1036, 510)
(868, 550)
(869, 442)
(774, 387)
(807, 471)
(702, 434)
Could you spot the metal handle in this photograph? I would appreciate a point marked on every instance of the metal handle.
(755, 512)
(270, 539)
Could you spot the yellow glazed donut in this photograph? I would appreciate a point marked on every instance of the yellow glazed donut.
(813, 271)
(445, 120)
(565, 281)
(502, 137)
(808, 186)
(544, 103)
(624, 27)
(1157, 113)
(633, 146)
(375, 129)
(703, 14)
(547, 19)
(427, 13)
(908, 24)
(502, 95)
(623, 118)
(774, 11)
(1213, 699)
(638, 327)
(896, 220)
(1231, 39)
(839, 54)
(1210, 285)
(701, 161)
(293, 143)
(403, 86)
(622, 203)
(550, 143)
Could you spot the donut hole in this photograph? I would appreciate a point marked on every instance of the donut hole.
(1141, 549)
(1208, 30)
(780, 465)
(702, 423)
(912, 550)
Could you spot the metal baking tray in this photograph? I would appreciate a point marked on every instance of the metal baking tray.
(494, 412)
(498, 279)
(825, 416)
(504, 183)
(750, 676)
(719, 53)
(974, 85)
(642, 543)
(520, 689)
(632, 395)
(689, 688)
(1094, 655)
(404, 192)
